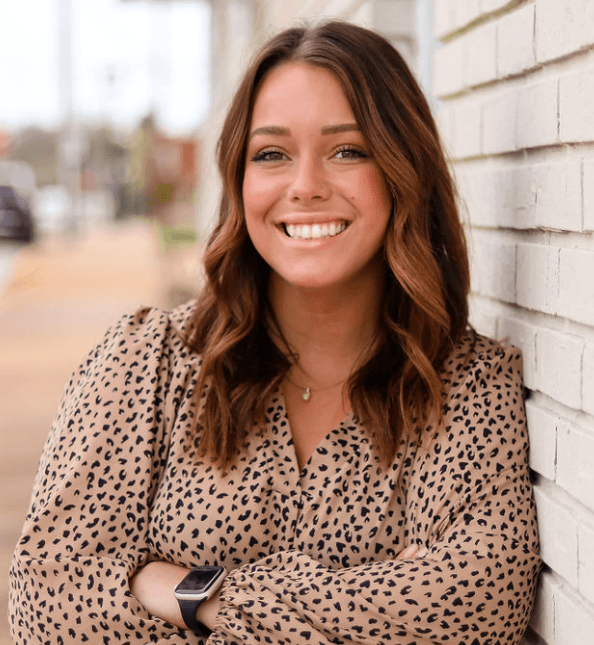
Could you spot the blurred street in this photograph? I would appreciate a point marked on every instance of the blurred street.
(56, 301)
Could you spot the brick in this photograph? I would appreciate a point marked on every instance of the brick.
(489, 195)
(559, 190)
(515, 46)
(481, 317)
(493, 5)
(537, 114)
(507, 198)
(542, 428)
(494, 268)
(449, 68)
(562, 27)
(467, 130)
(475, 190)
(558, 530)
(574, 621)
(537, 277)
(586, 561)
(522, 335)
(542, 620)
(558, 366)
(465, 11)
(443, 18)
(481, 55)
(576, 272)
(499, 124)
(588, 188)
(575, 456)
(576, 116)
(445, 119)
(523, 198)
(588, 379)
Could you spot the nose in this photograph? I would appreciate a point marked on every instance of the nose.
(308, 182)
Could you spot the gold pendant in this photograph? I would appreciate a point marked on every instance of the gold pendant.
(305, 396)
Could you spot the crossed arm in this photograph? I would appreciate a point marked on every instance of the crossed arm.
(154, 583)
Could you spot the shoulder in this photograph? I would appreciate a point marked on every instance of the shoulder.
(151, 325)
(478, 363)
(483, 423)
(142, 342)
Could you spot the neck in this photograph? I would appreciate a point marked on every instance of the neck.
(328, 329)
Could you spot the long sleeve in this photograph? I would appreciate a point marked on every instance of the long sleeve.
(469, 501)
(86, 530)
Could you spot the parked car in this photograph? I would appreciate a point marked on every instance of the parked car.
(16, 221)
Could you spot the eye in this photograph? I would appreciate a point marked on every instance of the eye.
(350, 153)
(269, 154)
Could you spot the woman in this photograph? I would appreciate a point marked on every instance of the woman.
(319, 449)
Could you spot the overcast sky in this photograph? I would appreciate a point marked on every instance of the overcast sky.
(128, 56)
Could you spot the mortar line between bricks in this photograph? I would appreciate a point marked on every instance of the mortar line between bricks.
(481, 20)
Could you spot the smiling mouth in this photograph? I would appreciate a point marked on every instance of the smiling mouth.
(314, 231)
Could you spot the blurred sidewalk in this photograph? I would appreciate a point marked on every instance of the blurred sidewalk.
(61, 297)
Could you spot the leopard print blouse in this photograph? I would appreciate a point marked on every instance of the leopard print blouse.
(311, 552)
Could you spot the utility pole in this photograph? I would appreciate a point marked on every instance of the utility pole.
(69, 148)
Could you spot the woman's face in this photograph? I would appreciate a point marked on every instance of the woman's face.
(316, 202)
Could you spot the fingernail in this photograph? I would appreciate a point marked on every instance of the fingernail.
(422, 552)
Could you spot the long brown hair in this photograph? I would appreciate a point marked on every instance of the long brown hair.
(425, 308)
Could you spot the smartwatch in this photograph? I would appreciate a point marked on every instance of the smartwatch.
(199, 585)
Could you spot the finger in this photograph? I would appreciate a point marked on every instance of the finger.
(409, 552)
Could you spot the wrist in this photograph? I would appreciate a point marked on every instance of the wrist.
(197, 596)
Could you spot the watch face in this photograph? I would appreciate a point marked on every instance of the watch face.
(199, 581)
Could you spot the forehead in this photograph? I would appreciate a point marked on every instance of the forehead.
(300, 92)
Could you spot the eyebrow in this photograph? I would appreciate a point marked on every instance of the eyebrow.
(285, 132)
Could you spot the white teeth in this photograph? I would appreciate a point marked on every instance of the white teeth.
(315, 232)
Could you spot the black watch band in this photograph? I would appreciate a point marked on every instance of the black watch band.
(199, 585)
(188, 610)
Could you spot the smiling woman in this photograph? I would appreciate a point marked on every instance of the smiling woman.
(319, 448)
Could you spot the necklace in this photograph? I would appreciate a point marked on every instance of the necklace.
(308, 391)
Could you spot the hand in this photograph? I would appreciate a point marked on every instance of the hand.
(412, 551)
(153, 586)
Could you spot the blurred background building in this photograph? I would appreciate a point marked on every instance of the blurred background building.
(109, 114)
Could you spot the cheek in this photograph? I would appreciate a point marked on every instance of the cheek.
(257, 196)
(374, 193)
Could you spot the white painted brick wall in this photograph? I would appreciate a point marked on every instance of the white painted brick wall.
(481, 55)
(543, 616)
(537, 271)
(559, 189)
(558, 528)
(559, 366)
(562, 27)
(515, 79)
(588, 379)
(515, 42)
(537, 114)
(576, 117)
(586, 560)
(575, 457)
(576, 285)
(588, 193)
(574, 620)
